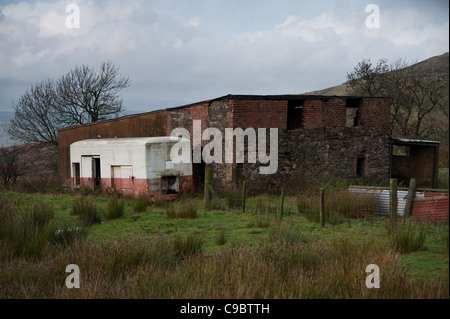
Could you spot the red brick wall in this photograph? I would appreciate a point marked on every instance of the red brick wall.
(258, 113)
(200, 112)
(333, 112)
(376, 112)
(312, 113)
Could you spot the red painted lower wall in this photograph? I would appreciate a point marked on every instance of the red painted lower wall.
(134, 186)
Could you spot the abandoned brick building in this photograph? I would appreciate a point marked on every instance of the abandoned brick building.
(317, 135)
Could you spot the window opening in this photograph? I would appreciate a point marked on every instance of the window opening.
(76, 173)
(361, 166)
(353, 112)
(295, 114)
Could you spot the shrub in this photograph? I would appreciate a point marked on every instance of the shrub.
(45, 183)
(408, 236)
(140, 203)
(190, 245)
(86, 209)
(115, 208)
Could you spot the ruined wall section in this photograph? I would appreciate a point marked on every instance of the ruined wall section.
(322, 152)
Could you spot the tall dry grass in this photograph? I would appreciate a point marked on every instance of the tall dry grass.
(140, 269)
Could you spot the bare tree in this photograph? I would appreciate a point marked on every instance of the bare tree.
(11, 167)
(35, 118)
(416, 93)
(85, 95)
(80, 96)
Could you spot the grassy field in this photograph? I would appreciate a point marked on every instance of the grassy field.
(148, 252)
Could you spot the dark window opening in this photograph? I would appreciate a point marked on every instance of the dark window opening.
(294, 115)
(169, 184)
(353, 112)
(400, 150)
(76, 173)
(96, 172)
(361, 166)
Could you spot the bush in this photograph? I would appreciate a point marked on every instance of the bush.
(190, 245)
(45, 183)
(408, 236)
(86, 209)
(115, 208)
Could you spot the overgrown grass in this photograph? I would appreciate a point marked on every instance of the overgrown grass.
(42, 213)
(221, 237)
(233, 198)
(140, 203)
(115, 208)
(408, 236)
(339, 206)
(287, 234)
(86, 209)
(191, 244)
(159, 201)
(29, 233)
(215, 255)
(261, 221)
(187, 209)
(178, 269)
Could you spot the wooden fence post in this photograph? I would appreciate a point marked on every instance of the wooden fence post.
(216, 197)
(393, 203)
(281, 203)
(322, 207)
(410, 198)
(207, 192)
(244, 195)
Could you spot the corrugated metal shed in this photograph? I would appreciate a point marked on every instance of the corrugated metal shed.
(431, 206)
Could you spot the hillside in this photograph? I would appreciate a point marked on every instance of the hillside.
(438, 64)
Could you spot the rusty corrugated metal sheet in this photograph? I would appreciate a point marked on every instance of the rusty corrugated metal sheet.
(427, 205)
(431, 209)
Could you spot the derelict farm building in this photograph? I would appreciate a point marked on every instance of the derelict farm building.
(318, 135)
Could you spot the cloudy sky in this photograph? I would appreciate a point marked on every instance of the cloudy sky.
(182, 51)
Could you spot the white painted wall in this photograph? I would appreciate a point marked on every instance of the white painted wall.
(144, 157)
